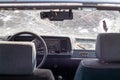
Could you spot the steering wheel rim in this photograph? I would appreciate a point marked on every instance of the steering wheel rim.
(38, 38)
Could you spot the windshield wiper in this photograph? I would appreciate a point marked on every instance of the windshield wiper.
(83, 53)
(81, 47)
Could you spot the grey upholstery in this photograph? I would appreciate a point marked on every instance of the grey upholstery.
(18, 62)
(43, 74)
(38, 74)
(16, 57)
(95, 63)
(107, 66)
(108, 47)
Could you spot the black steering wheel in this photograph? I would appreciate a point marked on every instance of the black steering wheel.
(39, 38)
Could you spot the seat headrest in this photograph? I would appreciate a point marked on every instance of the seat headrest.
(17, 57)
(108, 47)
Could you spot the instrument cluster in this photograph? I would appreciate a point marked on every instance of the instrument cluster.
(55, 45)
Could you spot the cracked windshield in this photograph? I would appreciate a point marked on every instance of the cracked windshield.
(83, 28)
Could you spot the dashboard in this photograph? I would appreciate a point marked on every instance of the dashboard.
(60, 54)
(55, 45)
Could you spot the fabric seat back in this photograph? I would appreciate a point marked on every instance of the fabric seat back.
(107, 64)
(17, 58)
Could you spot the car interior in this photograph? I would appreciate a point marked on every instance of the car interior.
(59, 40)
(106, 66)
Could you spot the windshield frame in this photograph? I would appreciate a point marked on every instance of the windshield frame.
(60, 1)
(57, 5)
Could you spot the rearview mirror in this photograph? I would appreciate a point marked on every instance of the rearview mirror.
(57, 15)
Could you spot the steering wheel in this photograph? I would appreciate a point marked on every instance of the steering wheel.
(39, 38)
